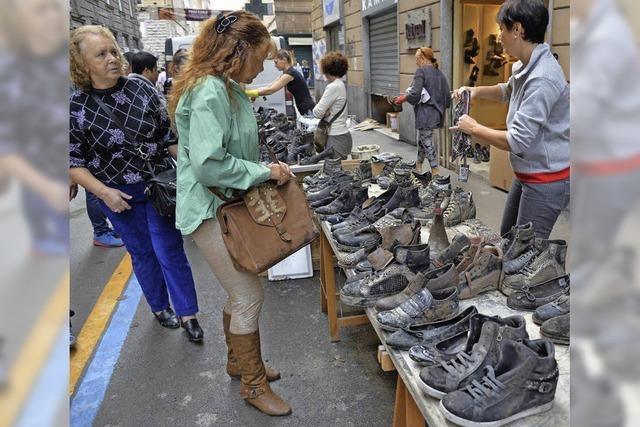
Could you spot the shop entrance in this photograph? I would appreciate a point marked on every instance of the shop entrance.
(479, 59)
(383, 62)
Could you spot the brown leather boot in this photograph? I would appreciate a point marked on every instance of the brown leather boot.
(233, 370)
(255, 389)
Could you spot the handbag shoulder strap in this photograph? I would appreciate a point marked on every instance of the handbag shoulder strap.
(113, 117)
(339, 113)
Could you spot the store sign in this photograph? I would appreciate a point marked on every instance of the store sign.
(418, 28)
(369, 7)
(172, 14)
(331, 11)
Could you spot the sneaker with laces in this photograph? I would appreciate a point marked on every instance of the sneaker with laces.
(107, 240)
(521, 384)
(461, 208)
(482, 349)
(546, 266)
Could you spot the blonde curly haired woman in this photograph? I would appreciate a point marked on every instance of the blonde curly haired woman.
(105, 161)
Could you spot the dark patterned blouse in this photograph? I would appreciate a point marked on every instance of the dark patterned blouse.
(100, 145)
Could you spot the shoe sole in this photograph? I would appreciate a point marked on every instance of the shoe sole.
(556, 339)
(358, 301)
(104, 245)
(468, 423)
(430, 390)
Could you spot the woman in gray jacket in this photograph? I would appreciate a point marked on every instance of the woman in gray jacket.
(430, 108)
(537, 134)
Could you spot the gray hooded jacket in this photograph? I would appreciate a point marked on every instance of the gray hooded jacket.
(538, 121)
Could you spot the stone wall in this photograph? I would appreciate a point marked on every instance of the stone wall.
(123, 23)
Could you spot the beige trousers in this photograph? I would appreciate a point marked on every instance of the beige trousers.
(244, 290)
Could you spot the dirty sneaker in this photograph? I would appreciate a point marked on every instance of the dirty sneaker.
(421, 308)
(546, 266)
(521, 384)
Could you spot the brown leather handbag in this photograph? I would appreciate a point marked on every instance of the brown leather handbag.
(265, 225)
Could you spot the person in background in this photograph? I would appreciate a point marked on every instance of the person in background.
(162, 79)
(430, 114)
(538, 123)
(333, 105)
(177, 63)
(306, 72)
(105, 162)
(219, 148)
(293, 80)
(144, 68)
(128, 56)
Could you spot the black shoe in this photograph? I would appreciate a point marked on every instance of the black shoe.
(194, 331)
(168, 318)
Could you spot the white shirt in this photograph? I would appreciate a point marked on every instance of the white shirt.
(333, 98)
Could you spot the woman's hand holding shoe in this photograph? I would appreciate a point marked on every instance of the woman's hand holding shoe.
(456, 94)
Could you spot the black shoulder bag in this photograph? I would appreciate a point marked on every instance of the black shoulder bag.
(160, 188)
(321, 134)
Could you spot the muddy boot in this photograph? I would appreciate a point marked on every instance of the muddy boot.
(460, 209)
(483, 274)
(255, 389)
(438, 240)
(233, 370)
(453, 252)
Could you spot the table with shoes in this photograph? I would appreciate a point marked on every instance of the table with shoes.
(455, 306)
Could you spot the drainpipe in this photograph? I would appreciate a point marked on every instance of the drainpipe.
(550, 26)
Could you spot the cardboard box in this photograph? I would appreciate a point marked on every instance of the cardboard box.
(500, 172)
(392, 121)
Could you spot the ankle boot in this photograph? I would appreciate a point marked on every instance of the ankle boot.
(255, 389)
(233, 369)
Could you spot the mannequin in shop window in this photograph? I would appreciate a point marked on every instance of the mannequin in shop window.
(430, 96)
(293, 80)
(537, 134)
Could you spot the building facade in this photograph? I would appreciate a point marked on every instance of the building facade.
(380, 38)
(118, 15)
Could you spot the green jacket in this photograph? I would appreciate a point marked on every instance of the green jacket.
(218, 147)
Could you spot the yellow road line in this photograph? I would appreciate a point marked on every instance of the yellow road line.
(97, 321)
(34, 353)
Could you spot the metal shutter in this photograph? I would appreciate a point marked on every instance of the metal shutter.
(383, 48)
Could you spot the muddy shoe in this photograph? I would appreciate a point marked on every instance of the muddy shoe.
(557, 329)
(453, 251)
(546, 266)
(428, 195)
(482, 349)
(350, 260)
(345, 202)
(444, 350)
(438, 240)
(353, 242)
(430, 334)
(529, 299)
(554, 309)
(522, 384)
(514, 265)
(366, 292)
(517, 240)
(420, 309)
(483, 274)
(433, 280)
(363, 173)
(401, 175)
(414, 256)
(460, 208)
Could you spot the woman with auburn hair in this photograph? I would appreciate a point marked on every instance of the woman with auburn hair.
(333, 105)
(429, 114)
(107, 111)
(293, 80)
(218, 147)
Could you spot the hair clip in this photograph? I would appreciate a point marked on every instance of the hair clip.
(223, 22)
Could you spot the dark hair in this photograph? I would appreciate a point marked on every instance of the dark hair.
(128, 56)
(143, 60)
(286, 55)
(334, 64)
(532, 14)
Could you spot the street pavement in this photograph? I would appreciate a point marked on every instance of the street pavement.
(144, 375)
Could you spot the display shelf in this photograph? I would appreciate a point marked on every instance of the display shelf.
(412, 406)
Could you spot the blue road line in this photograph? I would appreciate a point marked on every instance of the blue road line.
(48, 399)
(93, 386)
